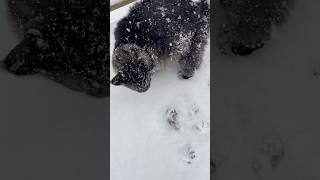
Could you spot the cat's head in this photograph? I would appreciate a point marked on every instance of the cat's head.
(133, 66)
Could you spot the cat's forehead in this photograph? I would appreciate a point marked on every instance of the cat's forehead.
(131, 54)
(134, 67)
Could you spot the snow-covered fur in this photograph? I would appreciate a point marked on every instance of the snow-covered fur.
(66, 40)
(156, 31)
(245, 25)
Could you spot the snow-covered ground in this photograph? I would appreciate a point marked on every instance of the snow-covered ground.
(266, 105)
(46, 130)
(143, 146)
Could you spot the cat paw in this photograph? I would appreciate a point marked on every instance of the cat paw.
(184, 74)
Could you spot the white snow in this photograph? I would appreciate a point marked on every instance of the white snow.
(117, 14)
(163, 11)
(143, 146)
(271, 93)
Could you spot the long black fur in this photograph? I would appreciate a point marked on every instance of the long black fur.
(66, 40)
(246, 25)
(156, 31)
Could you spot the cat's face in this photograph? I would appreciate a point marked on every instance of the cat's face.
(133, 67)
(134, 76)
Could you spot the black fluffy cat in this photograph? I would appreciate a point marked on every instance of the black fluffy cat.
(156, 31)
(246, 25)
(66, 40)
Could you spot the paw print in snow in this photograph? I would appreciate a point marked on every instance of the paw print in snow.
(201, 124)
(186, 115)
(190, 154)
(172, 118)
(268, 153)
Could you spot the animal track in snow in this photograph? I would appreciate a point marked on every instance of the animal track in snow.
(190, 153)
(186, 115)
(268, 153)
(172, 118)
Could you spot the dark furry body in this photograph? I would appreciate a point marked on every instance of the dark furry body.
(164, 30)
(66, 40)
(246, 25)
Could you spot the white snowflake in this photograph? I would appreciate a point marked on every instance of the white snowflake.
(163, 10)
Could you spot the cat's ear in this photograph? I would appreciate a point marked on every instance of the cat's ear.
(117, 80)
(23, 58)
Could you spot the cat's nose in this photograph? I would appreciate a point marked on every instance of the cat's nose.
(116, 81)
